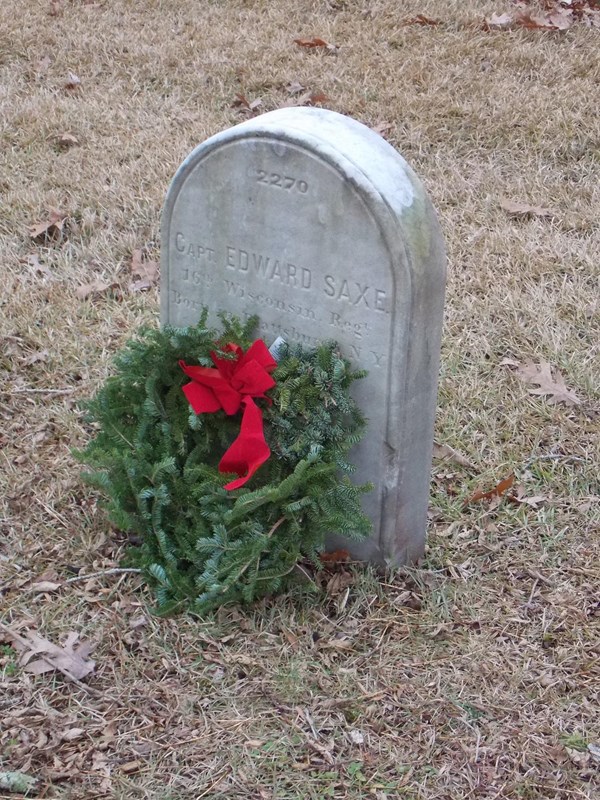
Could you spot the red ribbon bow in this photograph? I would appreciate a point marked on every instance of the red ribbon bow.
(234, 383)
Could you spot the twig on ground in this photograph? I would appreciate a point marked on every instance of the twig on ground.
(30, 390)
(553, 457)
(112, 571)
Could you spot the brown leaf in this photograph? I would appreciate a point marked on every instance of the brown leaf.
(44, 586)
(335, 557)
(521, 498)
(254, 742)
(291, 638)
(316, 42)
(446, 453)
(71, 734)
(421, 19)
(138, 622)
(534, 22)
(561, 18)
(339, 642)
(338, 582)
(498, 22)
(307, 99)
(34, 358)
(66, 140)
(71, 662)
(516, 209)
(382, 127)
(553, 387)
(73, 82)
(145, 273)
(509, 362)
(242, 102)
(295, 88)
(498, 490)
(50, 229)
(131, 766)
(94, 288)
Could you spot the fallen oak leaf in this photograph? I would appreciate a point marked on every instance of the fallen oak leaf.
(292, 639)
(240, 101)
(446, 453)
(66, 140)
(51, 229)
(44, 586)
(510, 362)
(295, 88)
(71, 734)
(316, 42)
(131, 766)
(317, 97)
(72, 663)
(421, 19)
(94, 288)
(561, 18)
(516, 209)
(307, 99)
(245, 105)
(382, 127)
(338, 582)
(498, 22)
(335, 557)
(554, 388)
(520, 498)
(34, 358)
(144, 273)
(498, 490)
(531, 22)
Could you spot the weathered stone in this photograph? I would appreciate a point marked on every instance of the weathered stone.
(315, 223)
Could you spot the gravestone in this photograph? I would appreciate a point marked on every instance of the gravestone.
(315, 223)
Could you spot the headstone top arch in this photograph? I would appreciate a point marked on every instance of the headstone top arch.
(315, 223)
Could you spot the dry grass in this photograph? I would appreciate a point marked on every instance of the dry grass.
(475, 675)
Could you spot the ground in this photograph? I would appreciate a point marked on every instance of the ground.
(474, 674)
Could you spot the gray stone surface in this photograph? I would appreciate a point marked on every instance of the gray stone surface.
(315, 223)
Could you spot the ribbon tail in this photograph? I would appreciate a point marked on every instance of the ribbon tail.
(249, 451)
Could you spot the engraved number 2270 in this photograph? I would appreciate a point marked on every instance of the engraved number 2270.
(282, 181)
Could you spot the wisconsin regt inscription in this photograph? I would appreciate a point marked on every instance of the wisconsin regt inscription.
(316, 224)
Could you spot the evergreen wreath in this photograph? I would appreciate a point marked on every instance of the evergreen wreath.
(200, 544)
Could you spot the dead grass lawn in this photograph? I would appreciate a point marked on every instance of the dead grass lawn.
(475, 675)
